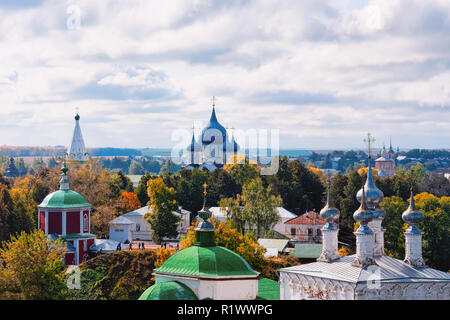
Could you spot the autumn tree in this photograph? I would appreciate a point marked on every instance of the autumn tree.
(393, 225)
(235, 214)
(162, 220)
(31, 267)
(129, 202)
(5, 213)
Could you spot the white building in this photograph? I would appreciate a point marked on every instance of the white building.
(279, 227)
(132, 226)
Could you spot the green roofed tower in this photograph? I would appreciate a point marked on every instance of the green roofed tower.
(208, 270)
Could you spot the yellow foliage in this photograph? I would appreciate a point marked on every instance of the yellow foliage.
(238, 159)
(344, 251)
(317, 171)
(162, 254)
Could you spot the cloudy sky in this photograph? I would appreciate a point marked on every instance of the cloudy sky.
(322, 72)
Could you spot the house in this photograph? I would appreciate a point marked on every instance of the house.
(274, 246)
(305, 227)
(279, 227)
(132, 226)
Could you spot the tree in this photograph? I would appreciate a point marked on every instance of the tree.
(31, 267)
(129, 202)
(163, 203)
(259, 205)
(141, 189)
(234, 211)
(394, 226)
(5, 213)
(169, 167)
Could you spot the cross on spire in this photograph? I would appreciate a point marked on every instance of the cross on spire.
(204, 189)
(370, 139)
(214, 99)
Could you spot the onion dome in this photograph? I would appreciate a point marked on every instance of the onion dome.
(412, 216)
(170, 290)
(329, 213)
(363, 215)
(64, 197)
(373, 195)
(208, 137)
(77, 117)
(233, 146)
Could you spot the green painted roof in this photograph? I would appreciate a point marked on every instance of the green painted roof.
(206, 261)
(64, 199)
(268, 289)
(78, 236)
(307, 250)
(170, 290)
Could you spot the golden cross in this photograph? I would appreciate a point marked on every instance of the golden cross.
(370, 139)
(204, 188)
(76, 109)
(214, 99)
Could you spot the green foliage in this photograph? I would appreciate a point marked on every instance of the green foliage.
(163, 203)
(31, 267)
(141, 189)
(394, 239)
(169, 167)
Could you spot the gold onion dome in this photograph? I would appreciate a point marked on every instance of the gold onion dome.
(412, 216)
(373, 195)
(363, 215)
(329, 213)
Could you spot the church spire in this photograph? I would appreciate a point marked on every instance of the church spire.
(77, 150)
(204, 233)
(213, 114)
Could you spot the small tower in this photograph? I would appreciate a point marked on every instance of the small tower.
(364, 236)
(329, 232)
(374, 197)
(77, 150)
(413, 236)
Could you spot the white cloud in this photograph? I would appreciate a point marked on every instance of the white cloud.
(317, 70)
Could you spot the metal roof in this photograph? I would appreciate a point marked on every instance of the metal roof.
(307, 250)
(107, 245)
(391, 270)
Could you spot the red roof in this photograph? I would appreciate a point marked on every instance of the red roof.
(310, 218)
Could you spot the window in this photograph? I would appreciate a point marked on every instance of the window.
(138, 227)
(293, 231)
(319, 233)
(310, 232)
(85, 245)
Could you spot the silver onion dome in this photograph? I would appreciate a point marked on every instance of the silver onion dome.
(412, 216)
(373, 195)
(363, 215)
(329, 214)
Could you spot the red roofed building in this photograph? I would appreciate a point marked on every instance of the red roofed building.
(305, 227)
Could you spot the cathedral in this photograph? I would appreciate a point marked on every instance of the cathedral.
(213, 148)
(369, 274)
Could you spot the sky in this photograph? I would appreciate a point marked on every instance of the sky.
(323, 73)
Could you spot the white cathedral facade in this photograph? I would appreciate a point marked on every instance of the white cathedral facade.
(369, 274)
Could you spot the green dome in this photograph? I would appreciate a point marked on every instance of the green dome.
(64, 199)
(206, 261)
(171, 290)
